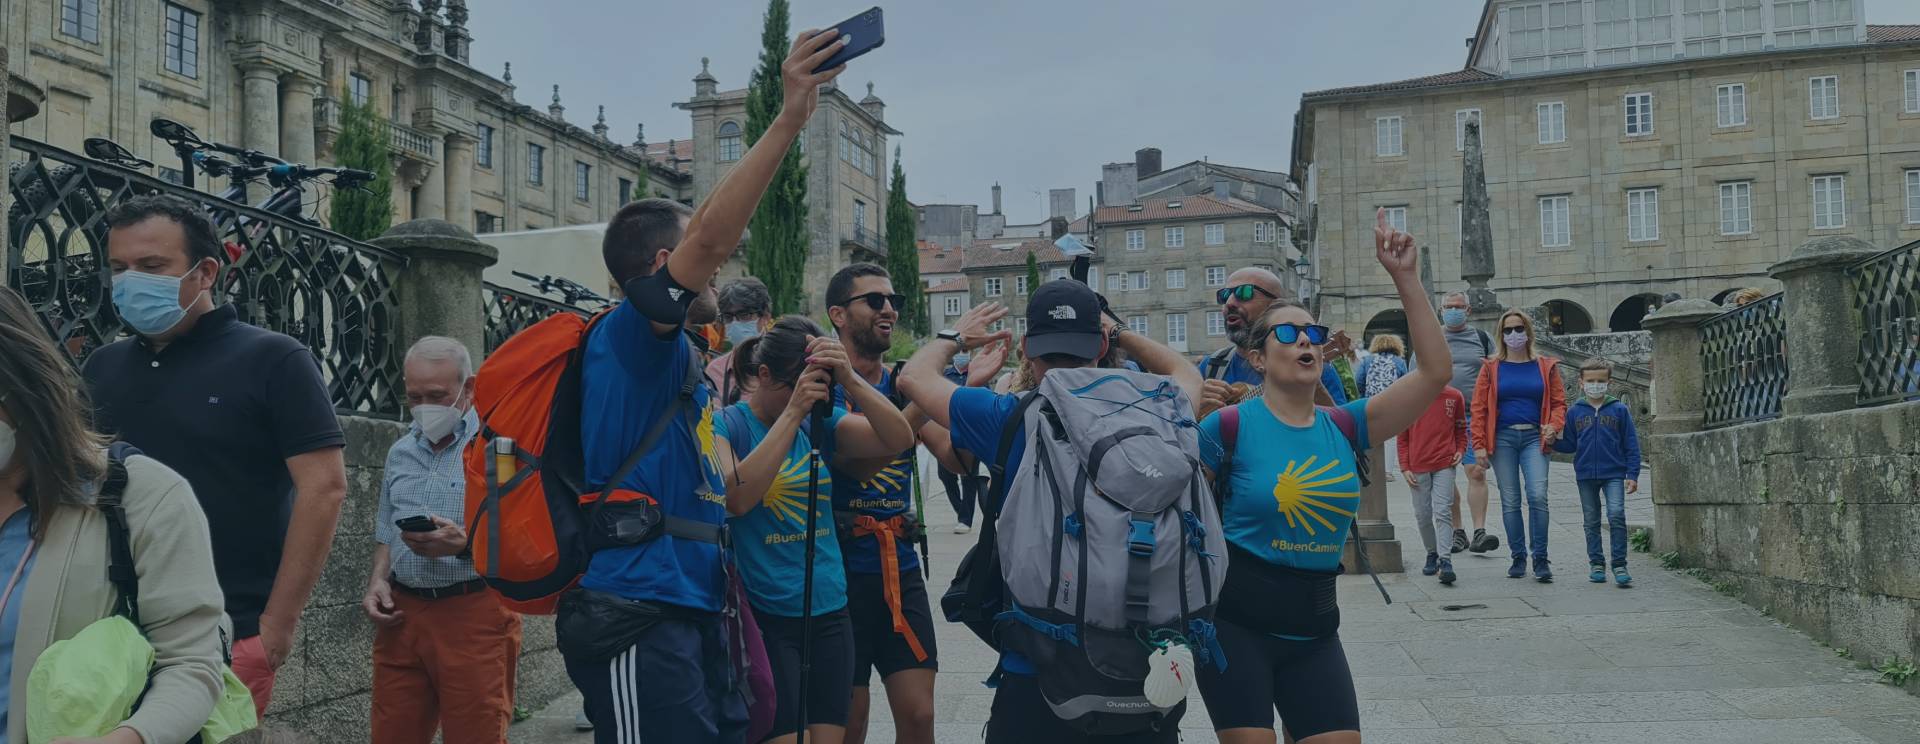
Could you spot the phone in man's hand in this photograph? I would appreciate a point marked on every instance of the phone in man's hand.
(417, 523)
(863, 33)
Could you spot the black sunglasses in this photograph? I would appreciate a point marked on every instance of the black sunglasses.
(877, 300)
(1287, 333)
(1243, 292)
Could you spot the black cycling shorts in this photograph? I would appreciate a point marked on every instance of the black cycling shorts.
(831, 686)
(875, 645)
(1308, 682)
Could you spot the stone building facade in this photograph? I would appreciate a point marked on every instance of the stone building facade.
(268, 75)
(1631, 151)
(846, 147)
(1166, 256)
(996, 271)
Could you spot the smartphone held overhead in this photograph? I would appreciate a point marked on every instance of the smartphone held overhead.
(862, 33)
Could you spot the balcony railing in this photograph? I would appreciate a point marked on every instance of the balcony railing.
(1743, 354)
(511, 311)
(865, 237)
(333, 294)
(1886, 294)
(401, 139)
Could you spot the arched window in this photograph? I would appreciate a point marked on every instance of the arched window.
(729, 142)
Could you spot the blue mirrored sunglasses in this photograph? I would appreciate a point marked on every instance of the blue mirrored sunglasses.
(1287, 333)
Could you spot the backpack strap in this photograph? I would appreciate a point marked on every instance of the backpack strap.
(1351, 429)
(1217, 363)
(683, 405)
(121, 571)
(1486, 343)
(997, 467)
(899, 400)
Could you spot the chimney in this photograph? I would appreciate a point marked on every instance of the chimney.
(996, 197)
(1060, 203)
(1222, 189)
(1146, 161)
(1119, 184)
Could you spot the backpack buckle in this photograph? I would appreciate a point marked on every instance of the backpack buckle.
(1140, 537)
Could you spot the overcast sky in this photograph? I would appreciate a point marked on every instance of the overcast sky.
(1034, 94)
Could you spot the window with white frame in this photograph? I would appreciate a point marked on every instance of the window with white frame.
(1136, 240)
(1176, 237)
(998, 325)
(1552, 119)
(1823, 97)
(729, 142)
(1216, 234)
(1397, 218)
(1020, 285)
(1387, 133)
(1736, 208)
(1913, 196)
(1730, 105)
(180, 42)
(1263, 232)
(1216, 323)
(1556, 230)
(1913, 92)
(1216, 276)
(1639, 114)
(1142, 281)
(1056, 273)
(1643, 215)
(953, 306)
(536, 164)
(993, 286)
(1546, 36)
(1117, 282)
(582, 181)
(1137, 324)
(1460, 119)
(80, 19)
(1020, 326)
(1176, 278)
(1829, 202)
(1176, 328)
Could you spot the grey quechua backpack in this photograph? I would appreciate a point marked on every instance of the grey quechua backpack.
(1110, 544)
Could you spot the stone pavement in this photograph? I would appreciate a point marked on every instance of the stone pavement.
(1668, 660)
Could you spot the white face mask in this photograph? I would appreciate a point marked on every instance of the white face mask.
(1594, 390)
(8, 440)
(437, 422)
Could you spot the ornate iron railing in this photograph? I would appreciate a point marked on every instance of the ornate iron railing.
(331, 293)
(1744, 357)
(511, 311)
(1886, 294)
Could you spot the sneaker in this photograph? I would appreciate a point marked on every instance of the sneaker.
(1620, 576)
(1518, 569)
(1447, 575)
(1599, 574)
(581, 722)
(961, 529)
(1433, 565)
(1543, 570)
(1459, 540)
(1483, 542)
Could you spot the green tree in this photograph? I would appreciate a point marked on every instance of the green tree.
(363, 215)
(777, 242)
(1033, 272)
(903, 257)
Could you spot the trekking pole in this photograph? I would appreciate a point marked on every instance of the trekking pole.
(1360, 549)
(821, 411)
(920, 513)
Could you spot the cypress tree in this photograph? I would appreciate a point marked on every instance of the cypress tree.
(363, 215)
(903, 259)
(777, 242)
(1033, 272)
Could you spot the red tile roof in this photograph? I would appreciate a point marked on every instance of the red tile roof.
(987, 254)
(951, 285)
(1888, 34)
(1155, 209)
(680, 159)
(1456, 77)
(938, 259)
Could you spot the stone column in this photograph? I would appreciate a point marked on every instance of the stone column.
(457, 163)
(297, 92)
(1371, 523)
(432, 203)
(260, 109)
(1823, 331)
(1679, 403)
(439, 291)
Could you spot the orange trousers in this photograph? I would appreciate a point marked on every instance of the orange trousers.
(448, 664)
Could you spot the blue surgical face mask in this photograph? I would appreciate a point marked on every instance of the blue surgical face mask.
(1453, 317)
(150, 303)
(960, 361)
(741, 331)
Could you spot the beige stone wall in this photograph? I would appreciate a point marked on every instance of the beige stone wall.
(1686, 157)
(1196, 299)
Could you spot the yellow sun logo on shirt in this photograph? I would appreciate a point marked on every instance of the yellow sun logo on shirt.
(704, 433)
(787, 497)
(1297, 492)
(893, 477)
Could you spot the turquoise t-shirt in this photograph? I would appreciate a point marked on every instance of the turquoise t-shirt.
(770, 539)
(1295, 489)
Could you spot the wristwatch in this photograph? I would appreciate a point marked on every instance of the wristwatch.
(951, 335)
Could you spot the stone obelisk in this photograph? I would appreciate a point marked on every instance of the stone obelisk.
(1476, 229)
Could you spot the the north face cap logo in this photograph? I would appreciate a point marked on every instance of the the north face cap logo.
(1063, 312)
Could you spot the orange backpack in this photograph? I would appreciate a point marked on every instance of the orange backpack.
(525, 471)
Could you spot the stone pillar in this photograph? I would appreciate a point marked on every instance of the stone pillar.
(1371, 523)
(439, 291)
(432, 203)
(1679, 403)
(260, 109)
(1823, 331)
(457, 163)
(297, 92)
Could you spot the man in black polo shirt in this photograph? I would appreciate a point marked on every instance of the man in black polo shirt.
(242, 412)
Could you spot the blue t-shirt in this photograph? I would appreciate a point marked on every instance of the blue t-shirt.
(1238, 369)
(770, 538)
(1307, 471)
(14, 539)
(888, 494)
(631, 377)
(1519, 393)
(978, 416)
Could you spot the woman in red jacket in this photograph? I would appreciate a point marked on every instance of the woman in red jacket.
(1519, 408)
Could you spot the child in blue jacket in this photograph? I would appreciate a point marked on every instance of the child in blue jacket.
(1606, 460)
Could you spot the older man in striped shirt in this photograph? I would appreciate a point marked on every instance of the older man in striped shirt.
(445, 648)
